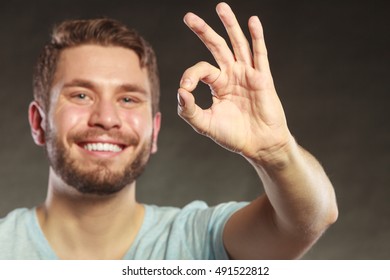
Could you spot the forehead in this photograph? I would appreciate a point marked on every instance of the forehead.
(101, 65)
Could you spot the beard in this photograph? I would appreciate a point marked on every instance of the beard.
(99, 179)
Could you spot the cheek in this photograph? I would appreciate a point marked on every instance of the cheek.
(68, 119)
(140, 123)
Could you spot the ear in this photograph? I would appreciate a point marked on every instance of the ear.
(37, 117)
(156, 130)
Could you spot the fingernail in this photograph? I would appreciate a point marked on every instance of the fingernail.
(180, 100)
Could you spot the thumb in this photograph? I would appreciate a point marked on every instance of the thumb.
(190, 112)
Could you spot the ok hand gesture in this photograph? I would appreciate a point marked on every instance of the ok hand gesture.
(246, 115)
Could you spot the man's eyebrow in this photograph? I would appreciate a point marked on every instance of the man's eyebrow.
(127, 87)
(80, 83)
(132, 88)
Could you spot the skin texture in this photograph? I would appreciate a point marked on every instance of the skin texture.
(246, 117)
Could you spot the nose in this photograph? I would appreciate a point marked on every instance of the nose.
(105, 115)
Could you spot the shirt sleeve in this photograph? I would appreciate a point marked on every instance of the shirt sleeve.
(220, 215)
(203, 227)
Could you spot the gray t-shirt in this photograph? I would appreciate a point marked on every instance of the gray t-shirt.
(193, 232)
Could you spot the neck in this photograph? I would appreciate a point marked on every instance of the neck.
(81, 226)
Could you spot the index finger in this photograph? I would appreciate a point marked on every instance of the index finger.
(212, 40)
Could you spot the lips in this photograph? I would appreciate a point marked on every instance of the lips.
(101, 143)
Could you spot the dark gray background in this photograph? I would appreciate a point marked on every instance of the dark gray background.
(330, 63)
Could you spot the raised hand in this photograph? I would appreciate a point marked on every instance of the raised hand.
(246, 115)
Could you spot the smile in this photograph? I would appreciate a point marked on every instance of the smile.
(102, 147)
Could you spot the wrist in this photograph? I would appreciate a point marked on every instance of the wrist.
(277, 157)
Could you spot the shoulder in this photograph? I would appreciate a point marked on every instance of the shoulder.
(191, 232)
(197, 210)
(14, 219)
(13, 232)
(166, 215)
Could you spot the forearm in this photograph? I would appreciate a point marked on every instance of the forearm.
(301, 195)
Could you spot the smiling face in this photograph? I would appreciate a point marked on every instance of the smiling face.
(99, 130)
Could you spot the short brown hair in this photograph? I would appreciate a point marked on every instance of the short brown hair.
(104, 32)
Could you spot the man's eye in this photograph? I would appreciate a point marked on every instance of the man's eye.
(80, 98)
(128, 100)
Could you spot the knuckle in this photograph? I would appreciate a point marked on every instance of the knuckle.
(202, 64)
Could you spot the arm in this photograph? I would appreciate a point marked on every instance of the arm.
(247, 117)
(297, 208)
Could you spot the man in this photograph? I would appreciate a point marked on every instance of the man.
(95, 110)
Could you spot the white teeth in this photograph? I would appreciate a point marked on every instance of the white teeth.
(103, 147)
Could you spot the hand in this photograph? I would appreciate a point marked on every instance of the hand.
(246, 115)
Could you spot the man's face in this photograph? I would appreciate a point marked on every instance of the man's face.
(99, 129)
